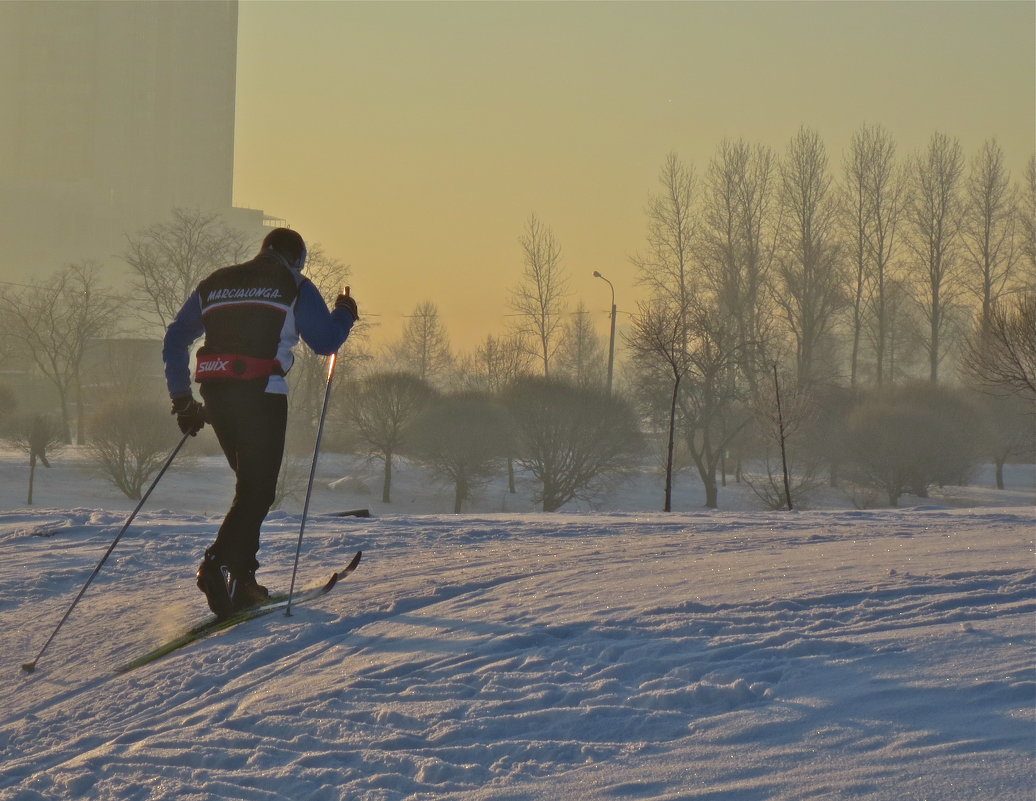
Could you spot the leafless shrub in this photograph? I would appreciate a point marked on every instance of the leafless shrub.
(570, 438)
(129, 441)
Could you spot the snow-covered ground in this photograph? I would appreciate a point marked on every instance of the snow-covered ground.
(606, 652)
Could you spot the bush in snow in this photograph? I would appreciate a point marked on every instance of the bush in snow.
(910, 438)
(571, 438)
(463, 439)
(129, 441)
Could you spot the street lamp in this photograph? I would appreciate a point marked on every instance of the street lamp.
(611, 340)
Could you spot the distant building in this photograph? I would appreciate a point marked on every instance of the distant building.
(113, 113)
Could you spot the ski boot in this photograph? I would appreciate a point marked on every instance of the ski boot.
(214, 580)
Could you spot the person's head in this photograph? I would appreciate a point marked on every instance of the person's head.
(288, 244)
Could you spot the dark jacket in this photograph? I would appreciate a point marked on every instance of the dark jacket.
(255, 310)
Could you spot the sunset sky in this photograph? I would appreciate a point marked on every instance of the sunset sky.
(414, 139)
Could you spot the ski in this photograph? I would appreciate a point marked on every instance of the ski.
(212, 625)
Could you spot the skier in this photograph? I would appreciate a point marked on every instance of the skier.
(252, 315)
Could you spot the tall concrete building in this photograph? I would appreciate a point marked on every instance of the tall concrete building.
(112, 114)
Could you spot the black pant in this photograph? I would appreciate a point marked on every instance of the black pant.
(249, 424)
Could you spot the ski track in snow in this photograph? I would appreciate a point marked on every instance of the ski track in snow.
(882, 654)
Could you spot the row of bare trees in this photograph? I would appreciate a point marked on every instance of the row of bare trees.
(895, 258)
(773, 259)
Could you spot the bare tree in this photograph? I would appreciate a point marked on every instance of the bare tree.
(540, 296)
(329, 274)
(1027, 225)
(659, 336)
(54, 321)
(987, 232)
(571, 438)
(666, 266)
(1002, 356)
(462, 438)
(581, 357)
(783, 417)
(855, 218)
(871, 205)
(168, 259)
(496, 363)
(711, 406)
(658, 340)
(934, 213)
(741, 221)
(382, 409)
(902, 330)
(424, 348)
(810, 292)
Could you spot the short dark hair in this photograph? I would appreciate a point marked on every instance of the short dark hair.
(286, 242)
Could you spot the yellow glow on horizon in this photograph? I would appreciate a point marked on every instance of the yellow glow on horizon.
(414, 139)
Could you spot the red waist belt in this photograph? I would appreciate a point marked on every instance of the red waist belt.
(228, 365)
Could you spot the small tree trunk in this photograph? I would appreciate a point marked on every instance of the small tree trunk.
(460, 494)
(32, 476)
(80, 415)
(669, 449)
(784, 450)
(386, 487)
(1000, 474)
(551, 502)
(705, 460)
(933, 352)
(510, 475)
(711, 493)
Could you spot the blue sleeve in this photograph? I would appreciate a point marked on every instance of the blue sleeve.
(176, 349)
(324, 331)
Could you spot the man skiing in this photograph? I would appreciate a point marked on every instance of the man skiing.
(252, 315)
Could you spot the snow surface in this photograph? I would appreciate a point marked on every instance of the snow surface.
(600, 653)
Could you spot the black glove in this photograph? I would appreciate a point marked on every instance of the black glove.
(191, 416)
(347, 302)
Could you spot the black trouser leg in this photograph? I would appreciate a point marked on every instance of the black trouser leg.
(249, 425)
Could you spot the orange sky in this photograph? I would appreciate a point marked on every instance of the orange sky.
(414, 139)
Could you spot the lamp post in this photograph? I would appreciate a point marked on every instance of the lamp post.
(611, 339)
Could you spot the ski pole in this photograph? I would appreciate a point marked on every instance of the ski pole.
(29, 667)
(312, 472)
